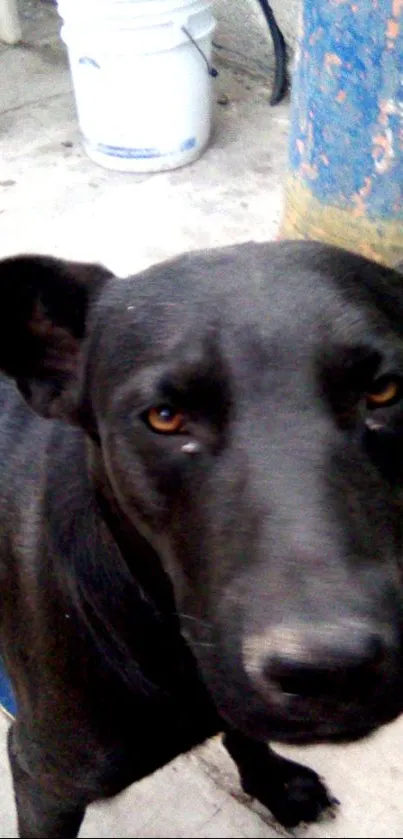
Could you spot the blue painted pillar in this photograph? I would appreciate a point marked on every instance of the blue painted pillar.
(345, 178)
(7, 700)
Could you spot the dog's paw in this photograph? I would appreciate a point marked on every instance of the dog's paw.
(293, 793)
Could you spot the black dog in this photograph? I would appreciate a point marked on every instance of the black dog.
(204, 533)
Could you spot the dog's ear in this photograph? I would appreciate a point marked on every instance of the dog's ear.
(44, 306)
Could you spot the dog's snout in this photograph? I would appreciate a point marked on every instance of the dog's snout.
(327, 661)
(348, 676)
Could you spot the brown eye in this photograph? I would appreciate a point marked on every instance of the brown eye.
(165, 420)
(385, 392)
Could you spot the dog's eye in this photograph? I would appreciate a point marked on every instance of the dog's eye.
(165, 420)
(383, 393)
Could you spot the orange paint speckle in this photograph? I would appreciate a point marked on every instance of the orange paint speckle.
(382, 151)
(300, 146)
(332, 60)
(341, 96)
(392, 29)
(381, 141)
(359, 198)
(310, 171)
(316, 36)
(383, 112)
(366, 189)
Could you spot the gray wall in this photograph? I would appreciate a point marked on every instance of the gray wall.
(242, 30)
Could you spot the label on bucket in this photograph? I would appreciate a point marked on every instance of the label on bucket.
(139, 154)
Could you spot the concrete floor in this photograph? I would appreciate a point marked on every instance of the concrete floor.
(54, 200)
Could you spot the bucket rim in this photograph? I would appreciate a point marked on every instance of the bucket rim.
(82, 36)
(110, 9)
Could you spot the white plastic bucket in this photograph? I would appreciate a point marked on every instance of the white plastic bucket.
(141, 78)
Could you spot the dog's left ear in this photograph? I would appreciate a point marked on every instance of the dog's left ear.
(44, 307)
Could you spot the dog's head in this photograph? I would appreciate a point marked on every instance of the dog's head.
(248, 407)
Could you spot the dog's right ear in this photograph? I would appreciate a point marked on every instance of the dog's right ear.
(44, 306)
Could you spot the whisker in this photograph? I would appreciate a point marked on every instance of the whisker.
(196, 620)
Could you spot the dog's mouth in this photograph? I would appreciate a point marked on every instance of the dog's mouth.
(347, 711)
(303, 721)
(325, 733)
(297, 720)
(336, 727)
(332, 705)
(333, 725)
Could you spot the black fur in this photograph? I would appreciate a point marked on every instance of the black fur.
(242, 575)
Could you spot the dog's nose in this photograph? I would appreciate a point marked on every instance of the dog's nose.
(317, 662)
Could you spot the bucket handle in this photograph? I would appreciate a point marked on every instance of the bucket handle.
(210, 69)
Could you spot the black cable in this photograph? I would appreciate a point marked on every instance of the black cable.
(280, 86)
